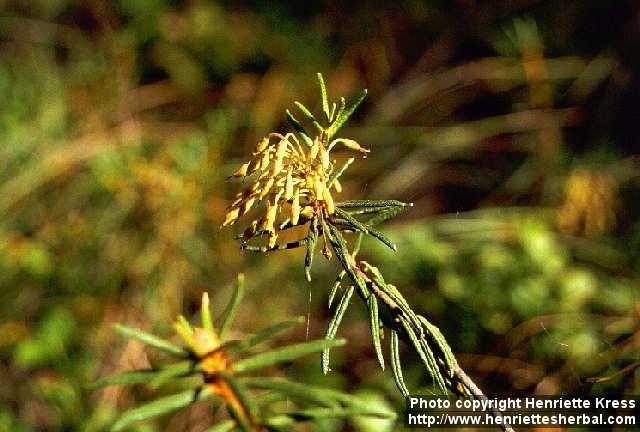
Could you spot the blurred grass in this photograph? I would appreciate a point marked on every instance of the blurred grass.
(511, 127)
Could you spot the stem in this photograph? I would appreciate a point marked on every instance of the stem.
(460, 375)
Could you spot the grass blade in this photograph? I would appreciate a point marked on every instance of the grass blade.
(151, 340)
(284, 354)
(332, 328)
(232, 308)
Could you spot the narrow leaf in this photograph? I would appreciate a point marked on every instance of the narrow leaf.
(425, 355)
(124, 378)
(283, 354)
(385, 215)
(316, 395)
(372, 305)
(332, 328)
(265, 334)
(325, 100)
(311, 238)
(344, 115)
(151, 340)
(159, 407)
(364, 228)
(300, 129)
(324, 413)
(223, 426)
(372, 203)
(368, 210)
(232, 308)
(434, 332)
(339, 246)
(175, 370)
(205, 312)
(357, 244)
(335, 287)
(396, 366)
(309, 116)
(336, 175)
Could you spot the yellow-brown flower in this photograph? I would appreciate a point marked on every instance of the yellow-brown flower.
(292, 182)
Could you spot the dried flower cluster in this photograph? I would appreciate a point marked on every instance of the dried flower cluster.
(288, 176)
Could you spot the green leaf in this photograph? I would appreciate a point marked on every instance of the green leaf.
(385, 215)
(151, 340)
(283, 354)
(223, 426)
(312, 238)
(344, 114)
(232, 308)
(336, 175)
(184, 329)
(175, 370)
(335, 287)
(372, 305)
(269, 333)
(391, 291)
(340, 248)
(396, 366)
(325, 100)
(323, 413)
(438, 337)
(426, 355)
(316, 395)
(299, 128)
(359, 226)
(332, 328)
(357, 244)
(205, 312)
(372, 203)
(309, 116)
(159, 407)
(368, 210)
(125, 378)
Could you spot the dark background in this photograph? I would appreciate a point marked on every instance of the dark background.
(512, 125)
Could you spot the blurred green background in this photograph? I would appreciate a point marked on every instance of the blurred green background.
(512, 125)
